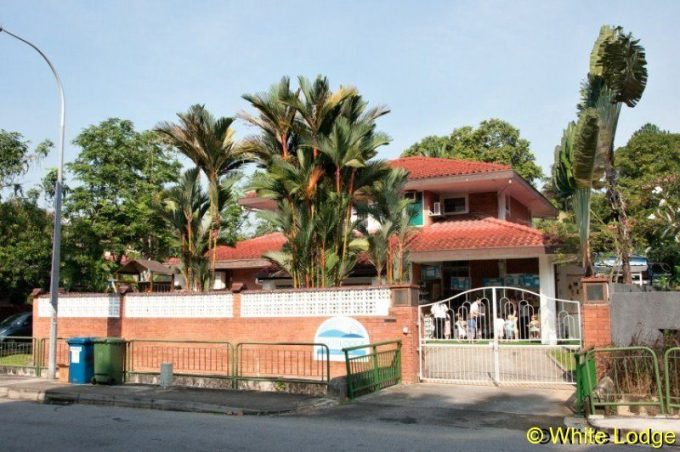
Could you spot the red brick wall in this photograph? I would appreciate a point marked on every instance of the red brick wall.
(238, 329)
(70, 327)
(596, 325)
(484, 204)
(519, 213)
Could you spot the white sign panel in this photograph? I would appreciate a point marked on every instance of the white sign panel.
(75, 354)
(341, 332)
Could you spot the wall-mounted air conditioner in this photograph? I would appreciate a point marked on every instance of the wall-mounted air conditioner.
(436, 209)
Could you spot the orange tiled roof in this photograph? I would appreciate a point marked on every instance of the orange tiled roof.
(426, 167)
(475, 233)
(252, 248)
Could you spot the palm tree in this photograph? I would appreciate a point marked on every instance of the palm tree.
(210, 144)
(316, 145)
(393, 213)
(186, 208)
(618, 75)
(319, 107)
(276, 120)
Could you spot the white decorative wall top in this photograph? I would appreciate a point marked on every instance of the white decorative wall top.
(82, 306)
(179, 306)
(316, 303)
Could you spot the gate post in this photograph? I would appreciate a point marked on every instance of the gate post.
(496, 357)
(548, 310)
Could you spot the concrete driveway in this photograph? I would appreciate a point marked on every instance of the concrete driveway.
(504, 399)
(461, 406)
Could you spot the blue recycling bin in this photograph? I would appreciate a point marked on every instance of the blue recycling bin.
(81, 360)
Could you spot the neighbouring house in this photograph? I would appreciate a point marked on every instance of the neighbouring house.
(144, 275)
(473, 229)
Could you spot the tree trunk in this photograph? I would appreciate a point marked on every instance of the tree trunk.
(622, 230)
(284, 146)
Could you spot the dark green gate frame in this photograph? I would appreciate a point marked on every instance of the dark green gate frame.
(374, 370)
(672, 378)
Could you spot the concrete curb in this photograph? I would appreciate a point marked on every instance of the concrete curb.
(155, 404)
(19, 394)
(57, 398)
(657, 423)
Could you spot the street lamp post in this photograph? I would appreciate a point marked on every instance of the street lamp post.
(56, 243)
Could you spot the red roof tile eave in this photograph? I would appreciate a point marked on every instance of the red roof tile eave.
(476, 249)
(432, 167)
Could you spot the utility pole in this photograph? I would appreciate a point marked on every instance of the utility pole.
(56, 243)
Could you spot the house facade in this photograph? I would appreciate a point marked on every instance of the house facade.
(473, 228)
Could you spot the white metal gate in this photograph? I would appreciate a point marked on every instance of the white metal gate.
(501, 335)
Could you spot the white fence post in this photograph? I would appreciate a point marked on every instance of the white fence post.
(548, 310)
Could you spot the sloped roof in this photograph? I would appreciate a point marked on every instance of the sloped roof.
(475, 233)
(136, 266)
(252, 248)
(427, 167)
(450, 235)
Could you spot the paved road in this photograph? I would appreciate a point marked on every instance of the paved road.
(26, 426)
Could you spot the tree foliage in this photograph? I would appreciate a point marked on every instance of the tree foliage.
(188, 212)
(15, 159)
(209, 142)
(115, 204)
(650, 159)
(617, 75)
(25, 248)
(493, 140)
(318, 147)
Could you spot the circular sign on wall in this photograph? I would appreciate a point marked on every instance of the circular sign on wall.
(338, 333)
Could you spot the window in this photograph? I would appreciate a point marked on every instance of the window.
(455, 205)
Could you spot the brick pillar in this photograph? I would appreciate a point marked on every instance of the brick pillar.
(596, 325)
(236, 306)
(597, 330)
(407, 320)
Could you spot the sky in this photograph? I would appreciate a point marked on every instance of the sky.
(436, 64)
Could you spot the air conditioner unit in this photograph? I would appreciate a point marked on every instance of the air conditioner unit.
(436, 209)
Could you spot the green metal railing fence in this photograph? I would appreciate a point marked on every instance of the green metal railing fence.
(20, 351)
(212, 359)
(303, 362)
(671, 366)
(609, 378)
(62, 353)
(372, 367)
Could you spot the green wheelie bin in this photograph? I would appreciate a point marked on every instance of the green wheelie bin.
(109, 358)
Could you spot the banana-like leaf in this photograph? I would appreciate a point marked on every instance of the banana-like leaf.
(582, 215)
(563, 177)
(607, 34)
(624, 66)
(585, 149)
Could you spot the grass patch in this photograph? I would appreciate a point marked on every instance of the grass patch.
(564, 358)
(17, 360)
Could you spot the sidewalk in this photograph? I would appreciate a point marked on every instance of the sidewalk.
(155, 397)
(637, 424)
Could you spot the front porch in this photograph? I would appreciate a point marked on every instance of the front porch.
(458, 282)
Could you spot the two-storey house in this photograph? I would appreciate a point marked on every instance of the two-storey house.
(473, 229)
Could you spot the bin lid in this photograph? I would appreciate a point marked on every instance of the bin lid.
(108, 340)
(79, 340)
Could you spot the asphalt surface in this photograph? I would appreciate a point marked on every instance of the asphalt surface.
(27, 426)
